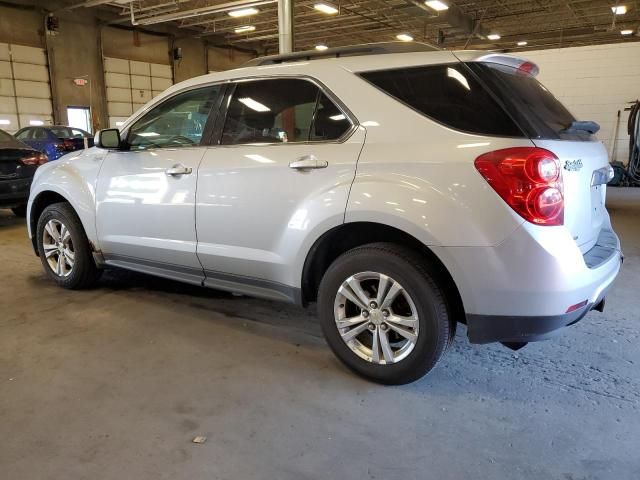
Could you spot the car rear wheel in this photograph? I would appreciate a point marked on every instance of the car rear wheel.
(20, 211)
(383, 314)
(64, 248)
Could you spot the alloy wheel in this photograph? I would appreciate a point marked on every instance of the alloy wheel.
(376, 318)
(58, 248)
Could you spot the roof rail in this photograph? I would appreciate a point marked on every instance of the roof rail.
(349, 51)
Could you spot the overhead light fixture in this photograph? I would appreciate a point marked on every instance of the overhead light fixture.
(36, 123)
(522, 43)
(4, 121)
(404, 37)
(321, 46)
(626, 32)
(327, 8)
(253, 105)
(619, 9)
(337, 118)
(437, 5)
(243, 12)
(493, 36)
(245, 29)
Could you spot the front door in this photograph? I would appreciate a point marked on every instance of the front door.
(146, 192)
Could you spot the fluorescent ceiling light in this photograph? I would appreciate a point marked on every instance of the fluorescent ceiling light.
(253, 105)
(619, 9)
(493, 36)
(437, 5)
(337, 118)
(326, 8)
(119, 124)
(243, 12)
(36, 123)
(626, 32)
(4, 121)
(245, 29)
(522, 43)
(405, 37)
(148, 134)
(321, 46)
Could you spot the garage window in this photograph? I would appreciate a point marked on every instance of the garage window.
(449, 94)
(282, 111)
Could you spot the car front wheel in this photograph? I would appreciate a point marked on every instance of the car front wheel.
(383, 314)
(64, 248)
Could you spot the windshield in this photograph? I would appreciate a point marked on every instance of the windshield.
(529, 102)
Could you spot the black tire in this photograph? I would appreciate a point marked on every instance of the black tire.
(20, 211)
(413, 273)
(84, 273)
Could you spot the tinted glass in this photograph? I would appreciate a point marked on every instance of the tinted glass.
(449, 94)
(329, 122)
(177, 122)
(534, 107)
(270, 111)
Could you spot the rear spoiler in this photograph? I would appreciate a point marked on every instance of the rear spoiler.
(522, 65)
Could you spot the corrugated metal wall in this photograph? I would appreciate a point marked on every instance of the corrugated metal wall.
(25, 90)
(130, 84)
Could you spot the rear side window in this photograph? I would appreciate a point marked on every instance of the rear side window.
(24, 134)
(449, 94)
(281, 111)
(534, 107)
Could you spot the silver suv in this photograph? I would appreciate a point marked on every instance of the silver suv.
(402, 192)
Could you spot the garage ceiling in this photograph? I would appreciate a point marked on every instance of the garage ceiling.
(541, 23)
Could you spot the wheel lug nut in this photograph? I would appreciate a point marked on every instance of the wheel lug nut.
(383, 326)
(373, 305)
(365, 314)
(385, 313)
(371, 326)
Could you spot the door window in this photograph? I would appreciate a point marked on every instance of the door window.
(24, 134)
(177, 122)
(281, 111)
(40, 134)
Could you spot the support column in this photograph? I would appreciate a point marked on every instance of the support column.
(285, 25)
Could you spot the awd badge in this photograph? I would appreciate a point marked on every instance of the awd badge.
(573, 165)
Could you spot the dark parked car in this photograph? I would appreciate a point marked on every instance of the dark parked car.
(55, 140)
(18, 163)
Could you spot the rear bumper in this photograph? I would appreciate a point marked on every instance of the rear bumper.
(489, 329)
(520, 290)
(14, 192)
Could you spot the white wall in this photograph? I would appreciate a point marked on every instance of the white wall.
(594, 82)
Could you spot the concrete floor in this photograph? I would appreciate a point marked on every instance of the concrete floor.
(115, 382)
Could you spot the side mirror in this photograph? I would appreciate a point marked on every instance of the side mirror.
(108, 138)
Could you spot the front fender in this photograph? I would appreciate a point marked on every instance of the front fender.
(74, 178)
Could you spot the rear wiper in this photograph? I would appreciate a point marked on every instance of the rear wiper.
(578, 126)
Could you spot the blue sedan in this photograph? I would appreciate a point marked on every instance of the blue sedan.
(54, 140)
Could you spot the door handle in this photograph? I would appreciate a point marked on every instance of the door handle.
(308, 162)
(178, 170)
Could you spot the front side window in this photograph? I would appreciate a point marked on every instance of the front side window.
(177, 122)
(281, 111)
(24, 134)
(40, 134)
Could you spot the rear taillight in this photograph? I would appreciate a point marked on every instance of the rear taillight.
(35, 159)
(529, 179)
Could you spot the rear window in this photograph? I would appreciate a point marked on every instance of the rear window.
(533, 107)
(61, 132)
(449, 94)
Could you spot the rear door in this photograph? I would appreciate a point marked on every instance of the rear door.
(546, 121)
(285, 162)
